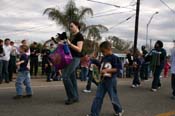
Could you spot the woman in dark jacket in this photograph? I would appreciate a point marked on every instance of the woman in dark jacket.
(69, 75)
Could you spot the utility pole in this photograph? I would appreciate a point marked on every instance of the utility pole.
(136, 26)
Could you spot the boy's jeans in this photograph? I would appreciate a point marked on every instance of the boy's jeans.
(69, 79)
(23, 78)
(108, 85)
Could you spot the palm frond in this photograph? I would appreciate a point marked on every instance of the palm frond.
(85, 11)
(55, 15)
(100, 27)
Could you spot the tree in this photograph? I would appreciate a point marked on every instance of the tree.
(118, 43)
(70, 13)
(93, 33)
(88, 46)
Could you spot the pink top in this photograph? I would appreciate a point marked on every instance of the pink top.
(85, 61)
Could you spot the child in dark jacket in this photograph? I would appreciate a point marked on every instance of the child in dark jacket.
(24, 74)
(110, 65)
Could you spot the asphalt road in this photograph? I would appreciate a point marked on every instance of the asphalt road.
(48, 100)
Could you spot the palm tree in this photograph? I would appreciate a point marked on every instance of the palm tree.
(70, 13)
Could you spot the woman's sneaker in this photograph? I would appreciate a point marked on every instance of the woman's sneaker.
(18, 97)
(89, 115)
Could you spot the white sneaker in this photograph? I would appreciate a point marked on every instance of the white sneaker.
(119, 114)
(153, 90)
(133, 86)
(86, 91)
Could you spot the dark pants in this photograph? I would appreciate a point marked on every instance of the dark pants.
(136, 80)
(173, 83)
(34, 65)
(4, 71)
(69, 79)
(128, 72)
(156, 76)
(51, 73)
(44, 61)
(84, 73)
(144, 71)
(43, 68)
(1, 66)
(90, 80)
(107, 85)
(12, 67)
(48, 71)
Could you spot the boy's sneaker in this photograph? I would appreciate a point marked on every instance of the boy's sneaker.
(27, 96)
(17, 97)
(119, 114)
(86, 91)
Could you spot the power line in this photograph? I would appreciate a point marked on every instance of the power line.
(28, 30)
(122, 21)
(105, 11)
(167, 6)
(132, 3)
(117, 6)
(110, 14)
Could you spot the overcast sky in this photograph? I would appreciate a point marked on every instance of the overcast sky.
(24, 19)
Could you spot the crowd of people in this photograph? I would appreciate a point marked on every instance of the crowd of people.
(100, 70)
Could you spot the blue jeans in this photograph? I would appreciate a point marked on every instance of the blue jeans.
(23, 78)
(69, 79)
(84, 73)
(107, 85)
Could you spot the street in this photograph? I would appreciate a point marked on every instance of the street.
(48, 100)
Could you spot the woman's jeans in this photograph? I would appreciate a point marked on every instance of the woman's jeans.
(69, 79)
